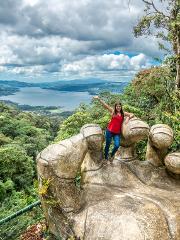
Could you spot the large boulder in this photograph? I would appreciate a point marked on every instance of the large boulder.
(172, 163)
(128, 199)
(160, 138)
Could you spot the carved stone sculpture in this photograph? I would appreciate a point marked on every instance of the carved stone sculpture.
(160, 138)
(129, 199)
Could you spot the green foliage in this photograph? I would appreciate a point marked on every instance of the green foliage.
(173, 121)
(4, 140)
(152, 92)
(2, 190)
(141, 149)
(152, 88)
(22, 137)
(94, 113)
(12, 204)
(6, 188)
(16, 166)
(162, 19)
(156, 19)
(72, 125)
(43, 191)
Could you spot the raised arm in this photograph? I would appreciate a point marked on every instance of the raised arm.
(105, 105)
(128, 116)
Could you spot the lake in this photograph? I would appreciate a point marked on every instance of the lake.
(35, 96)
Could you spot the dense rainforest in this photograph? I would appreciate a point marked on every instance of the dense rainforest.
(151, 96)
(22, 136)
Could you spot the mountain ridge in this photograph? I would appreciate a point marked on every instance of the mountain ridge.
(93, 86)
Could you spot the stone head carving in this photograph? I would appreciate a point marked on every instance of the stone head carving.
(129, 199)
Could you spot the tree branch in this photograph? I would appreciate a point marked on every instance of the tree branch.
(154, 7)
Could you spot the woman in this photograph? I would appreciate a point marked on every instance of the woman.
(114, 126)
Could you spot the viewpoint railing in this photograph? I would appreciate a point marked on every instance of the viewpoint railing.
(14, 215)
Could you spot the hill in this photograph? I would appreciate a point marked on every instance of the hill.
(93, 86)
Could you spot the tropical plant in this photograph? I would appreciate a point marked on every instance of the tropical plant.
(162, 19)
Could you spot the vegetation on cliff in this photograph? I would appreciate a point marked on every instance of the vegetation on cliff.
(22, 136)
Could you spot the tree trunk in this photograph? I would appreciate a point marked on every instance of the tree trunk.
(178, 61)
(176, 40)
(177, 76)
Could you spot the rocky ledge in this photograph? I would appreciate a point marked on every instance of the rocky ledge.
(128, 199)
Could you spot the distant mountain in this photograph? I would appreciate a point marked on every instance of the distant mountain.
(16, 84)
(75, 81)
(11, 87)
(93, 86)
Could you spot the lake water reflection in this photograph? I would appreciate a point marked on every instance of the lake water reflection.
(36, 96)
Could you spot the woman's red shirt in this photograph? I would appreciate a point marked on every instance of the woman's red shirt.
(115, 124)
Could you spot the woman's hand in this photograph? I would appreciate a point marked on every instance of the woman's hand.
(127, 120)
(105, 105)
(128, 117)
(131, 115)
(96, 97)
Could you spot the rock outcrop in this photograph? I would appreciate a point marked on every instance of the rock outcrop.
(129, 199)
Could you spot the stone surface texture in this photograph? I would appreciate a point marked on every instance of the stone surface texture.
(126, 200)
(172, 162)
(160, 138)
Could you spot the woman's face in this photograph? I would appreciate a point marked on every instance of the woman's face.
(118, 107)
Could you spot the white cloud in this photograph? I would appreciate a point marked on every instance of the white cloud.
(7, 55)
(3, 69)
(32, 70)
(72, 36)
(30, 2)
(138, 62)
(107, 63)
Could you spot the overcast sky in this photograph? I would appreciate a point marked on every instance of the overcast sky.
(48, 40)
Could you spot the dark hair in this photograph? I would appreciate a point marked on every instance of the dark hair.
(121, 111)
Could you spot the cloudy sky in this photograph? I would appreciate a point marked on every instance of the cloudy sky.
(48, 40)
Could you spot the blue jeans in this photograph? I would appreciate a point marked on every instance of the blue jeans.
(116, 138)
